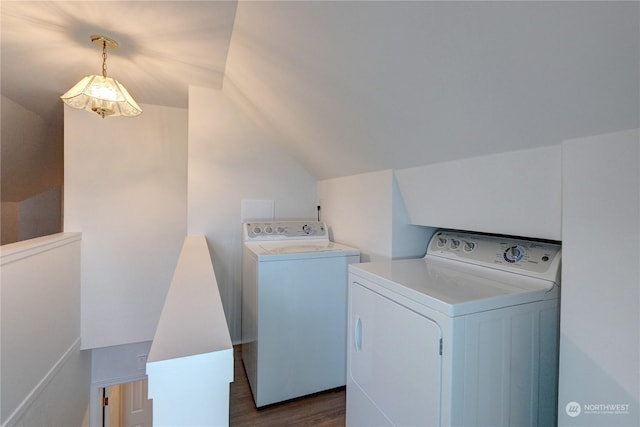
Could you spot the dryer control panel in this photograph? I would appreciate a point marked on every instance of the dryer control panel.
(284, 230)
(529, 257)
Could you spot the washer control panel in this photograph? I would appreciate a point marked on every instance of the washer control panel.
(534, 258)
(284, 230)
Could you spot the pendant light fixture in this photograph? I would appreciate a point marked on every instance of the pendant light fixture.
(101, 94)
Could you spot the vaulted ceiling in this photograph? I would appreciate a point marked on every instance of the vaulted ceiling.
(351, 86)
(164, 47)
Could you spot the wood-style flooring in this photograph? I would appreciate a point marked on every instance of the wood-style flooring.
(321, 409)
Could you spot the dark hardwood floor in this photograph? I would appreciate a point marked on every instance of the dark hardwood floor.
(322, 409)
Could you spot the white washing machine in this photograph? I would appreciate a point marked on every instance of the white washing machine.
(294, 309)
(466, 336)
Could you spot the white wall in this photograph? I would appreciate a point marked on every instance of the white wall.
(354, 86)
(41, 214)
(31, 153)
(119, 364)
(10, 222)
(407, 240)
(600, 321)
(44, 377)
(125, 189)
(231, 159)
(517, 193)
(366, 211)
(358, 211)
(191, 370)
(31, 174)
(36, 216)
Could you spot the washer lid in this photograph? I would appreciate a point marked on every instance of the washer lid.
(455, 291)
(284, 250)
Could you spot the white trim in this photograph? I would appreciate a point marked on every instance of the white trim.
(27, 248)
(35, 392)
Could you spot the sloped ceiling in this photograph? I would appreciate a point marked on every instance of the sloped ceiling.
(164, 47)
(351, 87)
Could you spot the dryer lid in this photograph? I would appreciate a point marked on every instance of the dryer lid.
(455, 291)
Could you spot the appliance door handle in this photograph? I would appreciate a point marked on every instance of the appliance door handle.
(358, 334)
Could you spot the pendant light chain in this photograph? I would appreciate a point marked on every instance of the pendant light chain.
(104, 58)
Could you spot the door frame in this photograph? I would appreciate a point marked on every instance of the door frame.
(95, 396)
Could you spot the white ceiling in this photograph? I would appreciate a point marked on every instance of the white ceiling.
(350, 86)
(164, 47)
(358, 86)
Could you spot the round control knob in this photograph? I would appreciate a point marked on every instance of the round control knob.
(455, 244)
(257, 230)
(268, 230)
(468, 246)
(279, 230)
(307, 229)
(441, 242)
(514, 254)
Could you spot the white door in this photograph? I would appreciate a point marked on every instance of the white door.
(136, 407)
(128, 405)
(395, 358)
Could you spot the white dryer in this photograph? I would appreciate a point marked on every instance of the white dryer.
(466, 336)
(294, 309)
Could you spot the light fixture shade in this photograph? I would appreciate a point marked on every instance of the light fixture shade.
(102, 95)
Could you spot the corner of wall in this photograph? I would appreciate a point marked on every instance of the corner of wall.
(408, 240)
